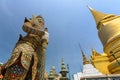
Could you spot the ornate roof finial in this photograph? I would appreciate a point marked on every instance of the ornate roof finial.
(94, 52)
(99, 16)
(63, 67)
(51, 75)
(63, 71)
(85, 60)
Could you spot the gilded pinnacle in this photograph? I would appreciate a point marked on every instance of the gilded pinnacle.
(99, 16)
(85, 60)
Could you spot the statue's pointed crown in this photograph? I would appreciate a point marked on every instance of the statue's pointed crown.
(99, 16)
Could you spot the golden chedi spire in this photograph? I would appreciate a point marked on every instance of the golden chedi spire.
(99, 16)
(107, 25)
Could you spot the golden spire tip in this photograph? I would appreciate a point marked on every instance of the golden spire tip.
(90, 7)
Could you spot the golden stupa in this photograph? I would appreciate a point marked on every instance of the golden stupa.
(108, 26)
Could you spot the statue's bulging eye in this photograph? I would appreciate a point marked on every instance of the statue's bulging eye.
(39, 20)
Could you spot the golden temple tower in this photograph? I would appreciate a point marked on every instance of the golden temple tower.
(108, 26)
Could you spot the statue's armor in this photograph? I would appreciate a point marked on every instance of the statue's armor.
(28, 57)
(25, 49)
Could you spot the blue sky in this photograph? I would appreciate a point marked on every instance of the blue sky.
(69, 22)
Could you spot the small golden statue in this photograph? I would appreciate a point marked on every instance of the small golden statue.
(28, 57)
